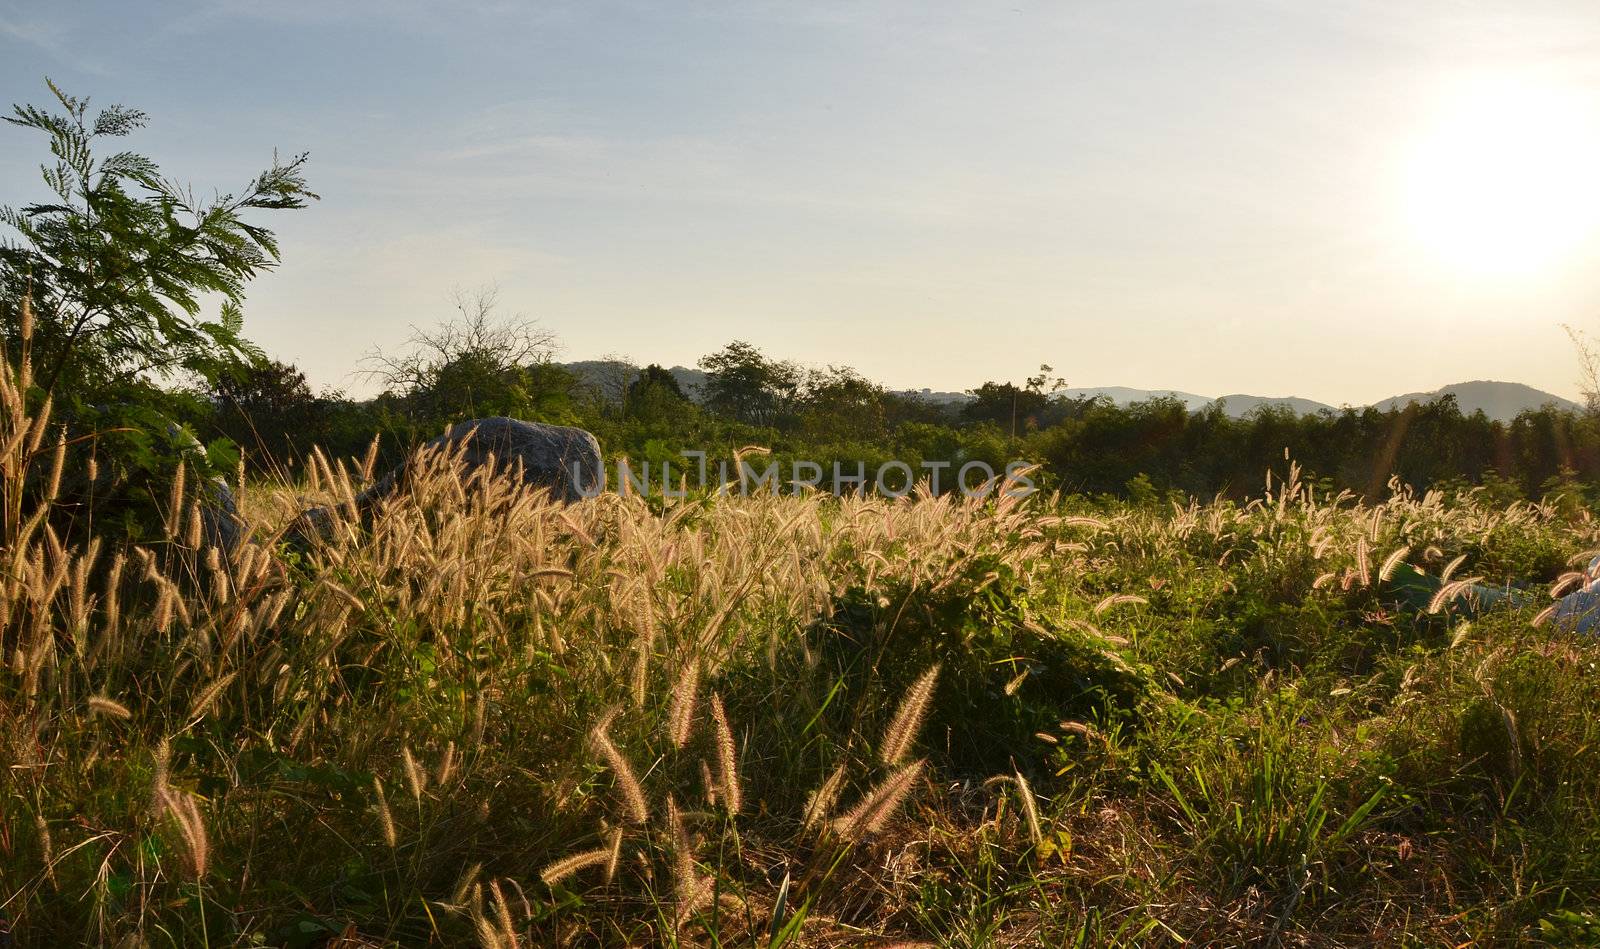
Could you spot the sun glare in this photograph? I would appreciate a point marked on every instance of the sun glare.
(1505, 183)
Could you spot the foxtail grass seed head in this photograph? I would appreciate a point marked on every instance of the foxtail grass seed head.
(208, 696)
(175, 497)
(1391, 563)
(613, 853)
(561, 869)
(874, 810)
(907, 722)
(111, 708)
(1030, 807)
(464, 884)
(728, 785)
(193, 533)
(680, 715)
(447, 765)
(186, 814)
(708, 782)
(47, 848)
(1117, 599)
(385, 816)
(416, 778)
(638, 811)
(819, 806)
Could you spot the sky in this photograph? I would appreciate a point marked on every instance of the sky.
(1340, 201)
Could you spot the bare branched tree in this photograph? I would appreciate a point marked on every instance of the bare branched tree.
(1588, 365)
(476, 362)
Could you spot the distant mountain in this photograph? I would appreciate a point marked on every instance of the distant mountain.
(1122, 395)
(691, 381)
(1501, 401)
(1239, 406)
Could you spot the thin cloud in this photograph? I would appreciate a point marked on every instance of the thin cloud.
(51, 39)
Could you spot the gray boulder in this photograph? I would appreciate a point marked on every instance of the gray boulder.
(563, 459)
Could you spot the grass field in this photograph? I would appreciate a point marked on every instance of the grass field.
(799, 721)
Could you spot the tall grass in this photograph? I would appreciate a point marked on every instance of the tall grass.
(480, 716)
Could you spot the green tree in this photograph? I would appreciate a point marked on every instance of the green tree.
(840, 404)
(654, 396)
(1012, 407)
(269, 408)
(744, 384)
(120, 260)
(478, 365)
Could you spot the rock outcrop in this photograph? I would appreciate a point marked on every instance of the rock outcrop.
(562, 459)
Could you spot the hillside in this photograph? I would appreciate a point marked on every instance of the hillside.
(1498, 400)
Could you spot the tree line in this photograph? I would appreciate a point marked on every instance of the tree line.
(1148, 449)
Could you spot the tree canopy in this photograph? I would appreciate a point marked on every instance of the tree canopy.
(121, 260)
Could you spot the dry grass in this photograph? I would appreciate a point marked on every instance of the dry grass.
(205, 748)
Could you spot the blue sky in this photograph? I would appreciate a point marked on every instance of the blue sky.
(1205, 196)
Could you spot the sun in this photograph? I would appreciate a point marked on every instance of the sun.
(1505, 182)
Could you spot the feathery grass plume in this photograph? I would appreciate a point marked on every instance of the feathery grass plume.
(208, 696)
(111, 606)
(56, 466)
(727, 759)
(641, 671)
(682, 845)
(1449, 592)
(1451, 567)
(709, 783)
(416, 778)
(1087, 731)
(907, 722)
(385, 817)
(47, 849)
(502, 912)
(638, 811)
(25, 328)
(1323, 580)
(1391, 563)
(480, 720)
(1363, 561)
(488, 938)
(819, 805)
(181, 806)
(567, 866)
(1117, 599)
(1564, 584)
(613, 854)
(369, 461)
(1030, 807)
(691, 897)
(498, 932)
(463, 887)
(447, 764)
(101, 705)
(160, 761)
(870, 814)
(685, 696)
(174, 512)
(193, 533)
